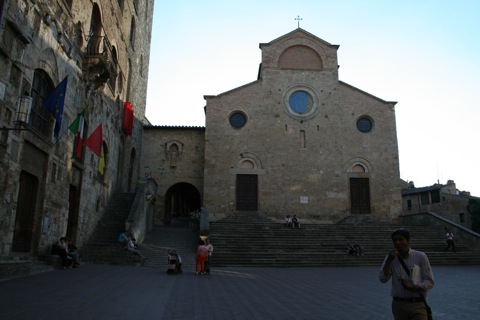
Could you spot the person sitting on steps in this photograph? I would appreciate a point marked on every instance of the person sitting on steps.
(132, 247)
(123, 238)
(358, 249)
(61, 248)
(288, 221)
(295, 222)
(351, 250)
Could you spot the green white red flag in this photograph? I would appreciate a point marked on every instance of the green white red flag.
(77, 129)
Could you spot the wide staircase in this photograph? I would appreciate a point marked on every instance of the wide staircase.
(251, 239)
(103, 247)
(175, 236)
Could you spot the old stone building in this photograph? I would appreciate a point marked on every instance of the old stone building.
(443, 199)
(51, 184)
(295, 141)
(174, 156)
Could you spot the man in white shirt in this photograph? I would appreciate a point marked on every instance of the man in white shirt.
(407, 291)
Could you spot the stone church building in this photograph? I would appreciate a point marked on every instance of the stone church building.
(295, 141)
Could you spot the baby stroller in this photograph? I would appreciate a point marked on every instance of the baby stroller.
(174, 262)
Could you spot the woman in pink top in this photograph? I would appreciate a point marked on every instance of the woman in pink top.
(202, 253)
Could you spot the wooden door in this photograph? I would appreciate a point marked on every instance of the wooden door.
(25, 218)
(247, 192)
(72, 223)
(360, 195)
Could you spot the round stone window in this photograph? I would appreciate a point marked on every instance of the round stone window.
(237, 120)
(364, 124)
(301, 102)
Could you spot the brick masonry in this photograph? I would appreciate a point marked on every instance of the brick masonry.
(304, 162)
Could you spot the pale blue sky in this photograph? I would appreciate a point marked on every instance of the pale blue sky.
(423, 54)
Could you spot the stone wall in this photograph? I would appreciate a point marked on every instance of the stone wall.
(449, 204)
(304, 162)
(51, 38)
(173, 155)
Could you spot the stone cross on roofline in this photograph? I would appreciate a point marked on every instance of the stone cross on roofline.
(298, 20)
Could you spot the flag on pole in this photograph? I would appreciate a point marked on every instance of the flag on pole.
(94, 142)
(77, 129)
(127, 119)
(55, 102)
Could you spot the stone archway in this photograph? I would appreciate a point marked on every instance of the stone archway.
(180, 199)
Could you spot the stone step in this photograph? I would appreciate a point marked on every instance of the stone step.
(103, 247)
(162, 238)
(253, 240)
(20, 266)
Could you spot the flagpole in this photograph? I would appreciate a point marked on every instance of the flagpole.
(61, 135)
(63, 132)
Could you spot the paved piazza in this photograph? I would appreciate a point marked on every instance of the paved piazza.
(120, 292)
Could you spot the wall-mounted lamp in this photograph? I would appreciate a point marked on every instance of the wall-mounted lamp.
(24, 105)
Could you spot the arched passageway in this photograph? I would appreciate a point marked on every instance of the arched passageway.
(181, 199)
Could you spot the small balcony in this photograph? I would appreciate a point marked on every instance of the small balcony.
(99, 62)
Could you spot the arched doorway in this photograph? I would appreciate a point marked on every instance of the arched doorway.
(180, 199)
(25, 219)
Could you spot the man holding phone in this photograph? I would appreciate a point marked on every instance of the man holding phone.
(411, 275)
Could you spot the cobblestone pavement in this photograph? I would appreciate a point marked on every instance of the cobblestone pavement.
(120, 292)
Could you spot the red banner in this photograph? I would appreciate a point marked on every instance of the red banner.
(127, 119)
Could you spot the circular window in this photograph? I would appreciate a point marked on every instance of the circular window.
(301, 102)
(237, 120)
(364, 125)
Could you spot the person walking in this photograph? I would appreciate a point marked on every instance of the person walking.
(450, 240)
(411, 275)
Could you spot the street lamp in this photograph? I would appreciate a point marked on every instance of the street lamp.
(24, 106)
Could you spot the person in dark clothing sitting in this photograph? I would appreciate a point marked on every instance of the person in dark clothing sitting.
(61, 248)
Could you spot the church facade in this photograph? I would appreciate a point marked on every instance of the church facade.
(295, 141)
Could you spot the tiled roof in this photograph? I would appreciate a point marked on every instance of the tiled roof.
(422, 189)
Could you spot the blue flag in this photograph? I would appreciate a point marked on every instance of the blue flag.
(54, 103)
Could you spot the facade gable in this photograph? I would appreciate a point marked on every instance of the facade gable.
(302, 126)
(299, 50)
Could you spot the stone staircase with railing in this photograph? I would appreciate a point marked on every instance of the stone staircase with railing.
(251, 239)
(103, 247)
